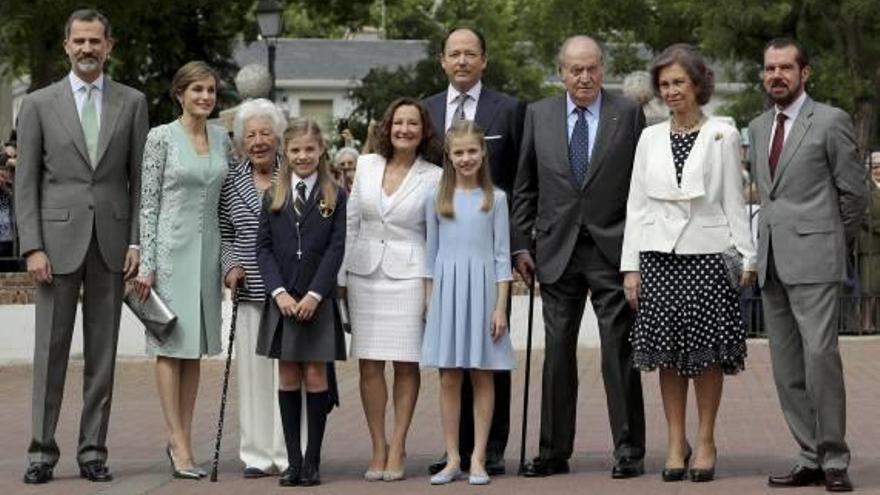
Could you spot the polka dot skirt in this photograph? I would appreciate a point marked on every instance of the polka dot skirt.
(689, 317)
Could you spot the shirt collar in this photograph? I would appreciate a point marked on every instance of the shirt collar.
(76, 84)
(794, 108)
(474, 92)
(310, 181)
(592, 108)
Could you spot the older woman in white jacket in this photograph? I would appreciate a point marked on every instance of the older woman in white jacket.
(685, 243)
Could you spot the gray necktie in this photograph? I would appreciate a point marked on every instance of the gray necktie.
(459, 110)
(299, 200)
(89, 120)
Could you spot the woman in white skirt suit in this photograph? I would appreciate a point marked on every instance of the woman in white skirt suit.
(384, 271)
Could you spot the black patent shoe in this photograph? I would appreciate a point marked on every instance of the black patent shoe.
(699, 475)
(541, 468)
(798, 476)
(628, 468)
(290, 476)
(95, 471)
(678, 474)
(310, 476)
(181, 474)
(836, 480)
(38, 473)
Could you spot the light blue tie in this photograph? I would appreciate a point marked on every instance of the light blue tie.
(89, 120)
(579, 148)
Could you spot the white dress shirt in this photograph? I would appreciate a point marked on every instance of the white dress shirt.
(78, 86)
(470, 106)
(310, 182)
(591, 115)
(791, 112)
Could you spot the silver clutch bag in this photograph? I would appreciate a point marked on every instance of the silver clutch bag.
(157, 317)
(733, 262)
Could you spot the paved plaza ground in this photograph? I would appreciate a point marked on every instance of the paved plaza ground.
(752, 437)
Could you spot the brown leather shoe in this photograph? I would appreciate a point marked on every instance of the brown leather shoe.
(799, 476)
(836, 480)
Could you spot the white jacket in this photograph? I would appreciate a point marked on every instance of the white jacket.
(705, 215)
(393, 240)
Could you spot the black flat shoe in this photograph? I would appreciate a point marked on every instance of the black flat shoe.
(438, 465)
(38, 473)
(310, 476)
(95, 471)
(678, 474)
(290, 477)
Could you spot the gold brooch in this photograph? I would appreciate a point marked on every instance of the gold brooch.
(325, 211)
(719, 136)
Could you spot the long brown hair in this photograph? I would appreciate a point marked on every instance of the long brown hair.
(281, 189)
(445, 203)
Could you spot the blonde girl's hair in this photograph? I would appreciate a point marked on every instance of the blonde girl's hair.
(281, 189)
(445, 201)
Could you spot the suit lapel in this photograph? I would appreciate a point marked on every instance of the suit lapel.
(761, 143)
(608, 119)
(66, 108)
(486, 109)
(557, 128)
(111, 107)
(798, 130)
(437, 109)
(410, 183)
(314, 197)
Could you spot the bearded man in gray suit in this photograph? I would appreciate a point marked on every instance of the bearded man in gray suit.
(571, 188)
(813, 194)
(77, 193)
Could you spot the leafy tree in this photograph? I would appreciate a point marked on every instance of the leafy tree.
(153, 39)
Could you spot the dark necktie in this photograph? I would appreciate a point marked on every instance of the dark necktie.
(459, 114)
(299, 201)
(778, 142)
(579, 148)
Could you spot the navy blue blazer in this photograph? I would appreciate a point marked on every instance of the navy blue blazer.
(320, 241)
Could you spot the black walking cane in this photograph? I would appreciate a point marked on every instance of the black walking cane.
(525, 416)
(216, 462)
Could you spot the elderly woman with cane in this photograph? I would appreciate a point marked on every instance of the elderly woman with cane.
(257, 130)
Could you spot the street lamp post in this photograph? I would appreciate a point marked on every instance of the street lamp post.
(269, 17)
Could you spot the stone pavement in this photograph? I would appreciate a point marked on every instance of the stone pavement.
(752, 437)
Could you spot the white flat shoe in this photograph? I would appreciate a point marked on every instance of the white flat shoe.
(374, 475)
(445, 478)
(479, 479)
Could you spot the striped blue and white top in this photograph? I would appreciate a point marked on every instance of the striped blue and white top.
(239, 214)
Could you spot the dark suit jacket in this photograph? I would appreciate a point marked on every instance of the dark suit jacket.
(322, 243)
(501, 118)
(545, 197)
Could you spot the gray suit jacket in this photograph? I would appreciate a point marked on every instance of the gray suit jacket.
(60, 199)
(815, 202)
(545, 196)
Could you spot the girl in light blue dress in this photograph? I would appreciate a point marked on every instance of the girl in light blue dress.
(468, 258)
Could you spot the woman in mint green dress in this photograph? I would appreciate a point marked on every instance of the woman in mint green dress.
(185, 163)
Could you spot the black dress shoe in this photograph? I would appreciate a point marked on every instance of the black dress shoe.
(495, 465)
(540, 468)
(95, 471)
(251, 472)
(836, 480)
(310, 476)
(628, 468)
(38, 473)
(290, 476)
(678, 474)
(799, 476)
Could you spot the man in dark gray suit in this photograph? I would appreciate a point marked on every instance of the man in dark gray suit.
(813, 195)
(77, 193)
(571, 189)
(464, 59)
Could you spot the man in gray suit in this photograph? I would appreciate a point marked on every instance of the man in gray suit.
(813, 194)
(571, 189)
(77, 193)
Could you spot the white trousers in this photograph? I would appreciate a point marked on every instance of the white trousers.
(262, 437)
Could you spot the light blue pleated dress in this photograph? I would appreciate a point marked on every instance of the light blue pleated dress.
(466, 257)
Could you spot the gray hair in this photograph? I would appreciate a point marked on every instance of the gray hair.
(582, 38)
(347, 150)
(258, 108)
(637, 87)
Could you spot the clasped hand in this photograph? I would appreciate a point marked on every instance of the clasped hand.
(302, 310)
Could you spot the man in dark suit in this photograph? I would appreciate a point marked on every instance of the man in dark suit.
(571, 189)
(464, 59)
(77, 194)
(813, 195)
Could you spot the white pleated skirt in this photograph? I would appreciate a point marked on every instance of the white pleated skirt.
(387, 317)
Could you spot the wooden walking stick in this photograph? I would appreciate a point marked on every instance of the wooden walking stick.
(525, 416)
(225, 387)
